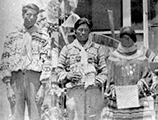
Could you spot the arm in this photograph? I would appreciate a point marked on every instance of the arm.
(61, 67)
(46, 60)
(5, 71)
(110, 86)
(45, 57)
(102, 67)
(151, 56)
(145, 80)
(154, 86)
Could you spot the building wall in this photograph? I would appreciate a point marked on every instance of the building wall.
(153, 31)
(95, 10)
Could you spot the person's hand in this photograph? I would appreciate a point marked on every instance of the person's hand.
(74, 76)
(142, 86)
(112, 92)
(40, 95)
(90, 80)
(91, 83)
(11, 95)
(154, 86)
(98, 83)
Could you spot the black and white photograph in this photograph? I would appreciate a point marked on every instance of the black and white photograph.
(79, 60)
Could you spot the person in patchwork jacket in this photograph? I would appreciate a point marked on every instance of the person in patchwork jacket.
(24, 65)
(82, 70)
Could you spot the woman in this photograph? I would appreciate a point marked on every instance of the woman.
(82, 70)
(128, 93)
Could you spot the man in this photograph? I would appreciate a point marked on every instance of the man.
(82, 70)
(24, 68)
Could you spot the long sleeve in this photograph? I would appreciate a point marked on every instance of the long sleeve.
(5, 66)
(61, 67)
(102, 67)
(146, 73)
(46, 59)
(149, 54)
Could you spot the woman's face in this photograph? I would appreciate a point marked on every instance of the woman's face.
(82, 33)
(126, 41)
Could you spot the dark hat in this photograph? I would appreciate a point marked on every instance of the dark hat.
(128, 31)
(83, 21)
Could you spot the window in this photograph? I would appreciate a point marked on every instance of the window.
(95, 10)
(137, 14)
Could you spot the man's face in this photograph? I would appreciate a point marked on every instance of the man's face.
(126, 41)
(30, 17)
(82, 33)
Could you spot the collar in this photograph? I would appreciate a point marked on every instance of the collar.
(30, 30)
(88, 44)
(119, 56)
(127, 51)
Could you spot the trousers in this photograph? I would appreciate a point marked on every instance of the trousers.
(25, 85)
(84, 104)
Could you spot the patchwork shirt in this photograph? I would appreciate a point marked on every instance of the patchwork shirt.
(25, 50)
(70, 56)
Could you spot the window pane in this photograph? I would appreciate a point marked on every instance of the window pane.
(137, 14)
(96, 11)
(153, 23)
(153, 11)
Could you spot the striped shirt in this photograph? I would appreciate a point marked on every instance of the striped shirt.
(70, 55)
(25, 50)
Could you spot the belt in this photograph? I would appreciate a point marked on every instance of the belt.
(25, 70)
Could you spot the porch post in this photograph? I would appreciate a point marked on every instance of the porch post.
(126, 12)
(145, 23)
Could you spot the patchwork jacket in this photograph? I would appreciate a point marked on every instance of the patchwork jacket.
(71, 56)
(25, 50)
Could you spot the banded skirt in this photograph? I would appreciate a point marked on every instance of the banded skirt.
(146, 111)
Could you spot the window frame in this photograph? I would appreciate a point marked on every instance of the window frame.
(126, 18)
